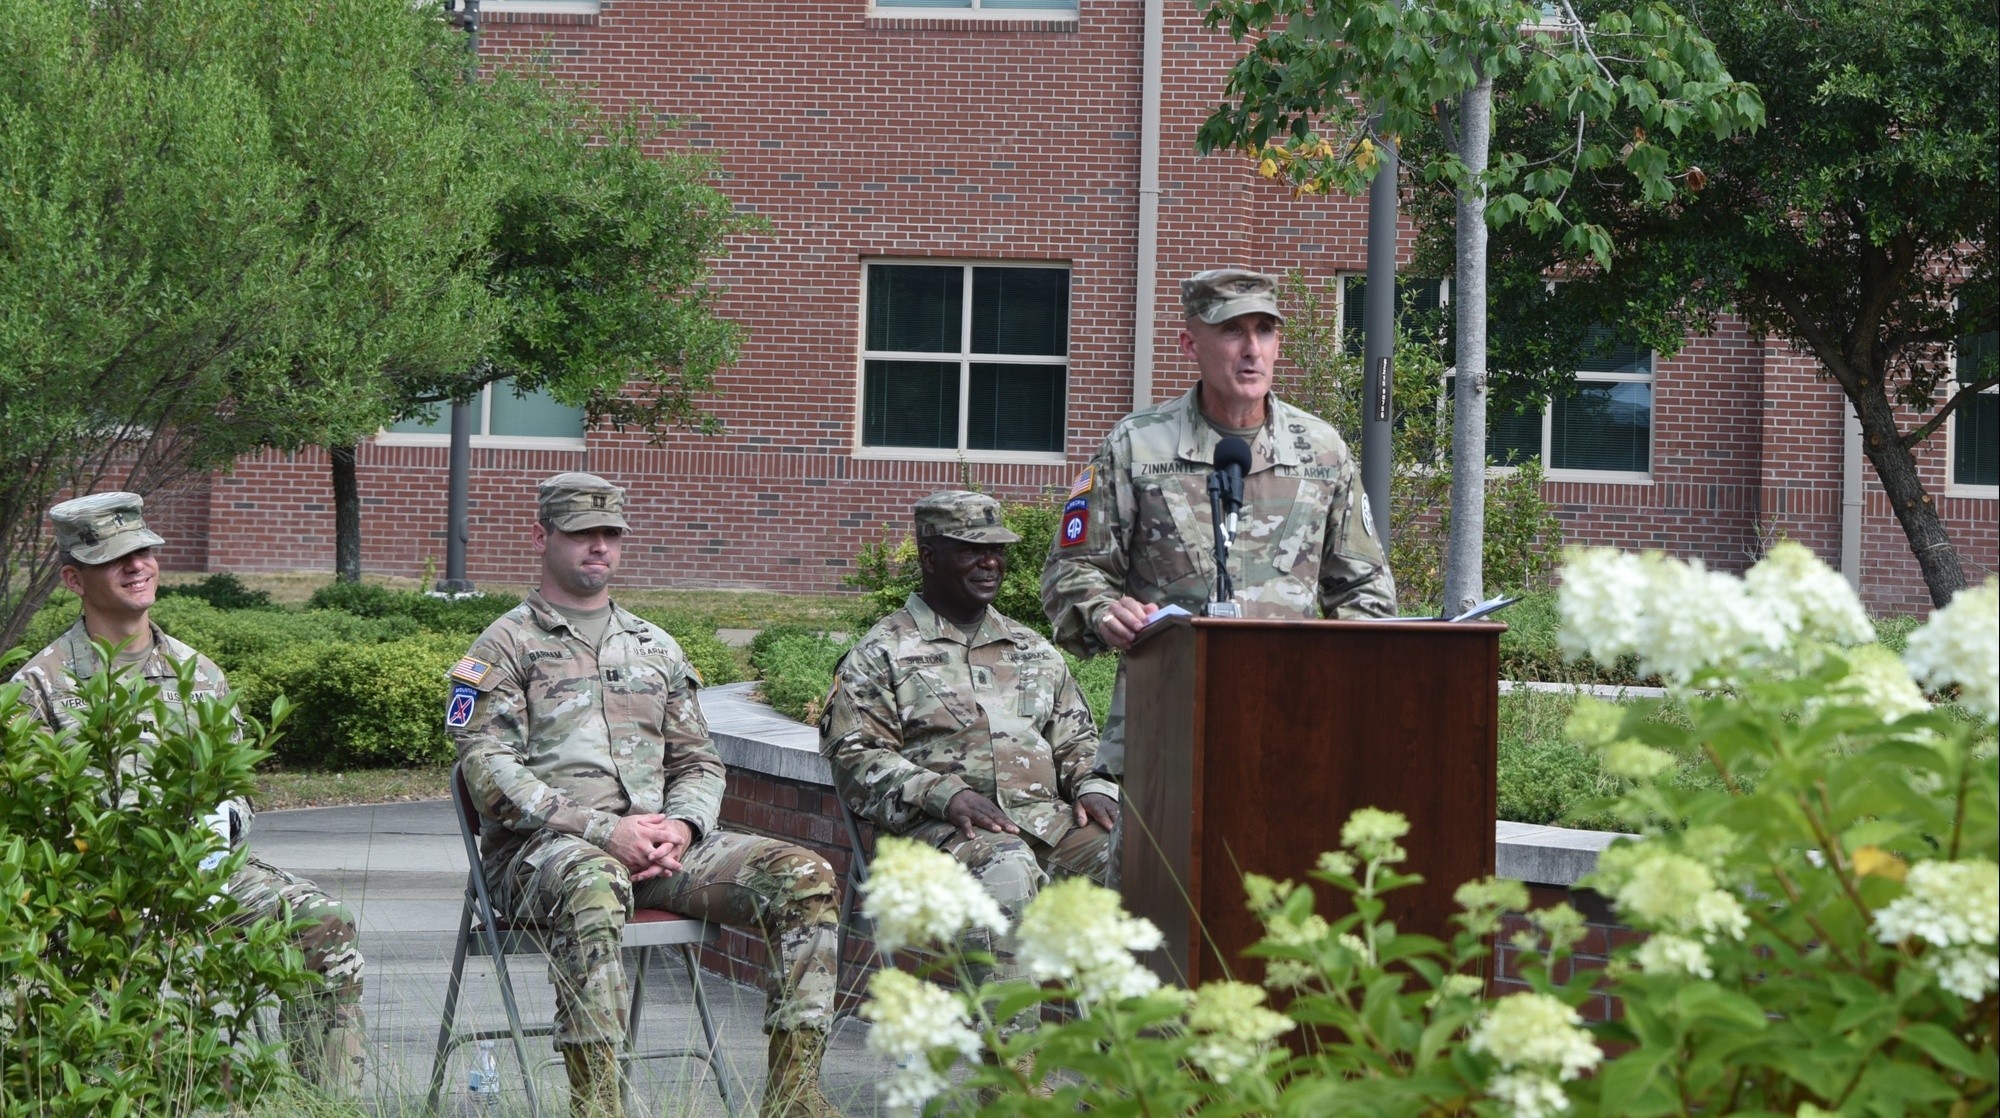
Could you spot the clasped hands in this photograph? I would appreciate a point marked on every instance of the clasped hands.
(650, 845)
(969, 809)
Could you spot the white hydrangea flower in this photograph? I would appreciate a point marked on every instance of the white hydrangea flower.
(1372, 833)
(1527, 1094)
(1811, 599)
(1233, 1030)
(1634, 760)
(1075, 931)
(1878, 680)
(910, 1019)
(1961, 644)
(916, 894)
(1669, 891)
(1954, 908)
(1599, 601)
(1665, 953)
(1538, 1041)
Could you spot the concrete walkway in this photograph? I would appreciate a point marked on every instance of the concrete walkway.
(401, 867)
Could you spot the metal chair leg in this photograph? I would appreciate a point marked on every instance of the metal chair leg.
(449, 1025)
(691, 956)
(513, 1016)
(632, 1025)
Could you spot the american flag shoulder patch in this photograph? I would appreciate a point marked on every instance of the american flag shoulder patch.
(470, 670)
(1085, 482)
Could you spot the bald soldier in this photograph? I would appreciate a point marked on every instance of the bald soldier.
(107, 557)
(1137, 533)
(591, 765)
(955, 726)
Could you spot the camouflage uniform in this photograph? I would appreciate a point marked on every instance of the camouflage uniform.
(558, 742)
(1138, 524)
(920, 713)
(324, 1030)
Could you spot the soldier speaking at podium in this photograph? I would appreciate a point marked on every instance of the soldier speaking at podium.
(1139, 530)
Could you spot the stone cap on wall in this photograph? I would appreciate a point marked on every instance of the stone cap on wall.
(753, 737)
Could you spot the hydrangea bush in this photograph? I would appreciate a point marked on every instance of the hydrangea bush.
(1821, 925)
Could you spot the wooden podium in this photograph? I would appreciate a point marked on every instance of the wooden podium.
(1248, 744)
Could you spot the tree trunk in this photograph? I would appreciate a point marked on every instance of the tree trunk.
(346, 515)
(1896, 467)
(1464, 579)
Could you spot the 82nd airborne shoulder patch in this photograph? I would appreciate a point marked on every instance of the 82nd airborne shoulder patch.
(458, 708)
(1075, 526)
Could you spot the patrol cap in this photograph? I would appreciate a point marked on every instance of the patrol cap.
(1221, 294)
(957, 514)
(574, 502)
(102, 527)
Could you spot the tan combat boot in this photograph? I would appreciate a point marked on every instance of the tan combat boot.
(792, 1090)
(593, 1081)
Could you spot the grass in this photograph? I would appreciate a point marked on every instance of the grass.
(286, 788)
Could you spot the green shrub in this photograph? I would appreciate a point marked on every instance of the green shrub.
(50, 622)
(122, 990)
(1095, 678)
(360, 704)
(439, 615)
(797, 669)
(887, 571)
(244, 640)
(223, 591)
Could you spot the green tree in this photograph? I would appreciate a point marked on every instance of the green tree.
(1322, 83)
(1858, 226)
(595, 274)
(220, 225)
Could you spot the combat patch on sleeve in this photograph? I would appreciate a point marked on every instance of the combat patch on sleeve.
(458, 708)
(470, 670)
(1085, 482)
(1075, 521)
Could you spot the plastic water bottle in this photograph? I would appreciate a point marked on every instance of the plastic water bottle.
(482, 1084)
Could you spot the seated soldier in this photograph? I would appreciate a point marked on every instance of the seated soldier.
(953, 725)
(108, 561)
(600, 790)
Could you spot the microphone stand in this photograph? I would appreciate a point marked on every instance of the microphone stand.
(1225, 590)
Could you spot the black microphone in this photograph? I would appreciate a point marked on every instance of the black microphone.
(1232, 461)
(1225, 497)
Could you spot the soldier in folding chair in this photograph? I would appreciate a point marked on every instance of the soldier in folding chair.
(482, 931)
(951, 724)
(599, 789)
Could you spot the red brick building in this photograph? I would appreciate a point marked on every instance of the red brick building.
(957, 282)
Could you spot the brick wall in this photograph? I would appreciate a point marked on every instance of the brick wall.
(1602, 933)
(857, 138)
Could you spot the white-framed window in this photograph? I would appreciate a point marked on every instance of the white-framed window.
(542, 7)
(1601, 432)
(964, 359)
(501, 417)
(1973, 430)
(976, 9)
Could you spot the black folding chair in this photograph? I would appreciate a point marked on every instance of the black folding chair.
(481, 931)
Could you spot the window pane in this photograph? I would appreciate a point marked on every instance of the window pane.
(1513, 436)
(1975, 457)
(1608, 350)
(1603, 427)
(923, 3)
(1415, 296)
(915, 308)
(999, 5)
(910, 403)
(416, 426)
(1976, 354)
(1016, 407)
(536, 414)
(1020, 310)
